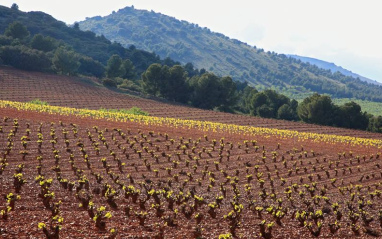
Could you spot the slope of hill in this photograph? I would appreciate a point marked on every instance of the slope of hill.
(84, 42)
(84, 93)
(187, 42)
(67, 175)
(333, 68)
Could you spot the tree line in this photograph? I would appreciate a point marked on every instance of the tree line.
(23, 50)
(43, 53)
(172, 81)
(209, 91)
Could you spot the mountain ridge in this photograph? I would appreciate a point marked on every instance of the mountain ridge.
(187, 42)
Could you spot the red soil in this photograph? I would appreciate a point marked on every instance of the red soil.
(305, 167)
(23, 86)
(303, 170)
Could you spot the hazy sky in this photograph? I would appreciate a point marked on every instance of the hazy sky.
(345, 32)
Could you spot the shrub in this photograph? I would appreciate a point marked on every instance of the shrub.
(109, 83)
(130, 85)
(133, 110)
(38, 102)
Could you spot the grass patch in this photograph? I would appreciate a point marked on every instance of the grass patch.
(374, 108)
(38, 102)
(133, 111)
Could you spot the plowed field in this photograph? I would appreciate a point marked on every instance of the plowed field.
(66, 176)
(16, 85)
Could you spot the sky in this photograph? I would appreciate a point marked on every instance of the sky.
(344, 32)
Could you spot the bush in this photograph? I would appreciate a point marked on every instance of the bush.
(45, 44)
(88, 66)
(25, 58)
(109, 83)
(4, 40)
(130, 85)
(134, 110)
(38, 102)
(66, 61)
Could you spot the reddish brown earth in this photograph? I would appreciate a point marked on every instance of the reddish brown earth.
(199, 168)
(23, 86)
(192, 176)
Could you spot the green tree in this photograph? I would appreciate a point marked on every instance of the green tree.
(174, 86)
(130, 72)
(115, 67)
(15, 7)
(267, 103)
(276, 100)
(265, 111)
(294, 105)
(189, 67)
(258, 100)
(152, 79)
(246, 99)
(17, 30)
(351, 116)
(375, 124)
(228, 95)
(88, 66)
(65, 61)
(76, 26)
(317, 109)
(287, 112)
(206, 91)
(109, 82)
(5, 41)
(24, 58)
(46, 44)
(169, 83)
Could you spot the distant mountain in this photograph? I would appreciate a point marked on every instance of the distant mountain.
(187, 42)
(333, 67)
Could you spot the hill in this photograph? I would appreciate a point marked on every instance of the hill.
(83, 42)
(333, 68)
(69, 169)
(187, 42)
(91, 94)
(200, 89)
(76, 173)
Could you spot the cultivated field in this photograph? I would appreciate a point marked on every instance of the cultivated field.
(16, 85)
(75, 173)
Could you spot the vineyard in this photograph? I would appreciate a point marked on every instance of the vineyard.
(90, 94)
(70, 172)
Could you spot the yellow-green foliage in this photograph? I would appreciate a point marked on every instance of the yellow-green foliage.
(192, 124)
(374, 108)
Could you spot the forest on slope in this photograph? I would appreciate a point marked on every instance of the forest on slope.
(31, 48)
(86, 43)
(187, 42)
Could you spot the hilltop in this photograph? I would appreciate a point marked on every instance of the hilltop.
(187, 42)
